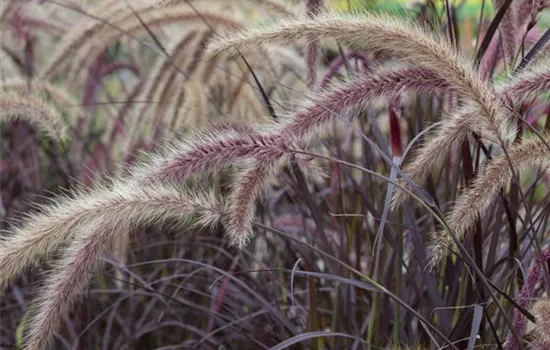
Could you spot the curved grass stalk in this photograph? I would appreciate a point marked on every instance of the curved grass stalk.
(309, 124)
(215, 150)
(33, 110)
(43, 233)
(210, 153)
(528, 84)
(383, 83)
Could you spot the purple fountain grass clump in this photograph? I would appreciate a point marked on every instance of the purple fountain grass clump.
(526, 294)
(86, 225)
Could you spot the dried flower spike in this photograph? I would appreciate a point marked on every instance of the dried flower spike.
(137, 206)
(476, 199)
(541, 311)
(33, 110)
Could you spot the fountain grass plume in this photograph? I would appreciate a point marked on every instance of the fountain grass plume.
(27, 107)
(508, 30)
(134, 206)
(315, 115)
(247, 189)
(475, 200)
(529, 83)
(541, 311)
(271, 147)
(401, 38)
(483, 109)
(208, 152)
(52, 225)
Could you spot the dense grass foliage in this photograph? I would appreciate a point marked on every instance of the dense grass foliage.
(274, 174)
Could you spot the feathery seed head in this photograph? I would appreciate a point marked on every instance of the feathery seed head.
(246, 190)
(211, 152)
(314, 118)
(476, 199)
(44, 232)
(541, 311)
(33, 110)
(530, 82)
(93, 234)
(401, 38)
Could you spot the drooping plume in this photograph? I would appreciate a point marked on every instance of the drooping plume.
(403, 39)
(31, 109)
(541, 311)
(476, 199)
(95, 232)
(532, 81)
